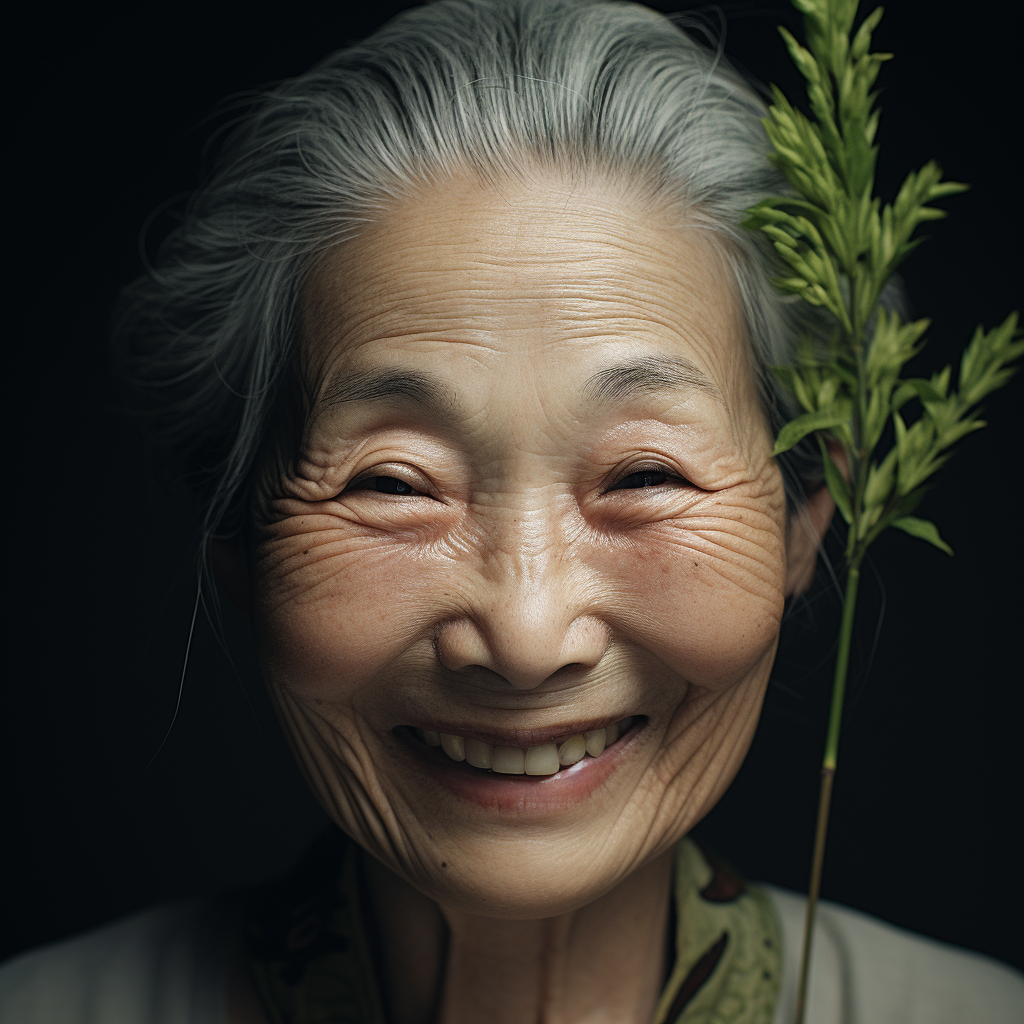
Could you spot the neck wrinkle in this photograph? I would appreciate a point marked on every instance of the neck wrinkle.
(505, 971)
(603, 962)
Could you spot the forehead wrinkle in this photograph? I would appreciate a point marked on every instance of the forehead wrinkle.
(442, 285)
(600, 258)
(597, 291)
(608, 305)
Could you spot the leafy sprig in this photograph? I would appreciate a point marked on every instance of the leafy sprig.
(840, 245)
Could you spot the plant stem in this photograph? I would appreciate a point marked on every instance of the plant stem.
(828, 771)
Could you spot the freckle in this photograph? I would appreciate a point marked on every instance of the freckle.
(444, 864)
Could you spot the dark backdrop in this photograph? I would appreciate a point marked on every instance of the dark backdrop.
(108, 122)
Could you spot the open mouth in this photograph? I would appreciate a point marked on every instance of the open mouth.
(545, 759)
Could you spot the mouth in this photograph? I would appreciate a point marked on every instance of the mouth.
(542, 759)
(529, 774)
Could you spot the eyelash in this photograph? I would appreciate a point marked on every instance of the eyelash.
(393, 485)
(645, 471)
(368, 483)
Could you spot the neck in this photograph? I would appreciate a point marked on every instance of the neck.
(605, 962)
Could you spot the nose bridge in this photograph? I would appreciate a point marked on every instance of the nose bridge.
(528, 605)
(525, 546)
(529, 616)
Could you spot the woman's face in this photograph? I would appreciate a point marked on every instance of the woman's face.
(534, 497)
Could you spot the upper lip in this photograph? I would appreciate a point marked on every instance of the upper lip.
(514, 737)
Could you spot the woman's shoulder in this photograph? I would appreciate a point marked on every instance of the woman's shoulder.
(866, 970)
(167, 965)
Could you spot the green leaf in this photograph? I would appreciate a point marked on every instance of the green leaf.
(985, 363)
(881, 479)
(902, 446)
(835, 415)
(940, 380)
(874, 420)
(802, 58)
(862, 40)
(923, 529)
(837, 485)
(916, 387)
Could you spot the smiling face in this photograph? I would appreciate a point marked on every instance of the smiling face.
(534, 498)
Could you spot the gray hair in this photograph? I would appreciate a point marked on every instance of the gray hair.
(484, 85)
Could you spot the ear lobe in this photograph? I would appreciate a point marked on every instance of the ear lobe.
(231, 570)
(807, 529)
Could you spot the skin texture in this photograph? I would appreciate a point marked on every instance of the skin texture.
(524, 583)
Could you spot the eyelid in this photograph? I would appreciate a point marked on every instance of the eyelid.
(399, 471)
(648, 466)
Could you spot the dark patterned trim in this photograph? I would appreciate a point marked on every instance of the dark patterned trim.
(699, 973)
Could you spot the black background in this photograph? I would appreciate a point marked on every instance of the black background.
(108, 122)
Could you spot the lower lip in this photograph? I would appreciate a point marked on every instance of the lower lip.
(522, 794)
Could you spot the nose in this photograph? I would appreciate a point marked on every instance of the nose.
(527, 618)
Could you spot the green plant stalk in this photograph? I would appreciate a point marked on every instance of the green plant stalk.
(828, 772)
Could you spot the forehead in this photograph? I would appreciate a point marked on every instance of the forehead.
(538, 277)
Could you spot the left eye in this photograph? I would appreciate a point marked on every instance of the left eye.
(642, 478)
(382, 484)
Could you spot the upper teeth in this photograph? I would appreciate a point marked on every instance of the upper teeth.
(546, 759)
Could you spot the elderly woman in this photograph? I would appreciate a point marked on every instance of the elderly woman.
(463, 353)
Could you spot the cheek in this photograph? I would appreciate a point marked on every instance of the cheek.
(706, 595)
(335, 622)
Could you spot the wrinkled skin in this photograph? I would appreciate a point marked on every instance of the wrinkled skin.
(554, 556)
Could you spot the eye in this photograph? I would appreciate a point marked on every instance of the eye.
(648, 476)
(642, 478)
(383, 485)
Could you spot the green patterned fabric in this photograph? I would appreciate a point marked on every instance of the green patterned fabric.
(310, 962)
(728, 946)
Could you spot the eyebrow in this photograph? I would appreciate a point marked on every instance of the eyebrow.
(646, 375)
(612, 384)
(417, 386)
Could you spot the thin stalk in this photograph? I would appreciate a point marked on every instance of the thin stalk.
(828, 771)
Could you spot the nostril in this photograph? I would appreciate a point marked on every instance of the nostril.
(459, 645)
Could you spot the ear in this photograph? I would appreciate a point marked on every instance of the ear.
(231, 569)
(807, 529)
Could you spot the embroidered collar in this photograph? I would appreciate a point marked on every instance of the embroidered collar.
(310, 962)
(728, 946)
